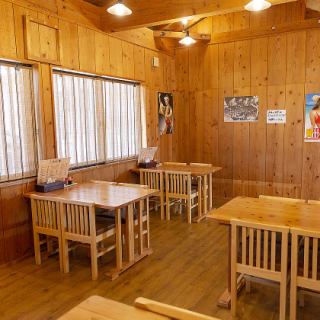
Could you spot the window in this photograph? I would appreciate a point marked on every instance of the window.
(97, 119)
(18, 139)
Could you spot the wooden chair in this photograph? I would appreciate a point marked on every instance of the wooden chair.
(199, 164)
(283, 199)
(260, 257)
(314, 202)
(178, 187)
(45, 221)
(79, 224)
(175, 163)
(154, 180)
(169, 311)
(305, 264)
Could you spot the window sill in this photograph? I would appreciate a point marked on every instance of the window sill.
(103, 165)
(26, 181)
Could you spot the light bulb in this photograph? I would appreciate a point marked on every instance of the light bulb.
(119, 9)
(184, 21)
(187, 40)
(257, 5)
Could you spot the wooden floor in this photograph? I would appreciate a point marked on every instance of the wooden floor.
(188, 269)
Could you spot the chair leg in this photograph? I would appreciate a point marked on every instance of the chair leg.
(60, 254)
(162, 207)
(94, 261)
(293, 301)
(283, 299)
(168, 208)
(248, 285)
(37, 249)
(65, 255)
(189, 210)
(233, 293)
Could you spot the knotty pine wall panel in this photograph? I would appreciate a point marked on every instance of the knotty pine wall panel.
(82, 48)
(281, 69)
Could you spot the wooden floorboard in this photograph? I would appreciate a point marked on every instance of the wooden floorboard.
(188, 269)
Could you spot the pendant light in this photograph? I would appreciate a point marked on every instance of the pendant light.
(187, 40)
(119, 9)
(257, 5)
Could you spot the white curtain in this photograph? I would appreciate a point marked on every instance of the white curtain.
(97, 120)
(18, 138)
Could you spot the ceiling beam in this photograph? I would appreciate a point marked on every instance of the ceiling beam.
(156, 12)
(180, 35)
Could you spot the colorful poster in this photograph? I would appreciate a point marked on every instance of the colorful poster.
(165, 110)
(276, 116)
(241, 109)
(312, 118)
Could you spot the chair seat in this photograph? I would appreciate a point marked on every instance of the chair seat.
(104, 224)
(110, 214)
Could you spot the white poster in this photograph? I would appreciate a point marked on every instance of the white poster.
(276, 116)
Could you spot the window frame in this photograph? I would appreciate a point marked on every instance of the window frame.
(38, 117)
(106, 162)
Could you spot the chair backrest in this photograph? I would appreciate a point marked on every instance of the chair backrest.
(152, 178)
(104, 182)
(78, 220)
(178, 183)
(169, 311)
(45, 213)
(198, 164)
(175, 163)
(133, 185)
(314, 202)
(255, 248)
(305, 258)
(283, 199)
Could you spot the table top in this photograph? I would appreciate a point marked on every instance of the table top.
(100, 308)
(274, 212)
(195, 170)
(103, 195)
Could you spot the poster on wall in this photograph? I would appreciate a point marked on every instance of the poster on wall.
(241, 109)
(312, 118)
(276, 116)
(165, 111)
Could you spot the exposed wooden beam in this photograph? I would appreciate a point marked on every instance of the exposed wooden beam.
(180, 35)
(264, 31)
(156, 12)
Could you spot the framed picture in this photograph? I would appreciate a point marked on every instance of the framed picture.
(165, 112)
(241, 109)
(312, 118)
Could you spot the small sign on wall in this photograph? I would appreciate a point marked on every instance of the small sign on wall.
(276, 116)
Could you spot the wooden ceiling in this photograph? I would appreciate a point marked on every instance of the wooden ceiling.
(149, 13)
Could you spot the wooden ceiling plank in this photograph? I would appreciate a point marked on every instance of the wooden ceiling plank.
(169, 11)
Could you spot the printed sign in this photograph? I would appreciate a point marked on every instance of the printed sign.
(276, 116)
(312, 118)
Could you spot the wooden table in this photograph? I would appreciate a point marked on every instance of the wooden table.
(100, 308)
(267, 211)
(204, 174)
(112, 197)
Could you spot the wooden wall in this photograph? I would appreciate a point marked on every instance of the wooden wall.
(281, 68)
(82, 46)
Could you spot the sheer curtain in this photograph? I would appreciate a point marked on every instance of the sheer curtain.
(18, 132)
(97, 119)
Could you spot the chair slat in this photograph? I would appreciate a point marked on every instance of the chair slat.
(306, 257)
(244, 245)
(265, 249)
(273, 251)
(258, 255)
(251, 243)
(314, 258)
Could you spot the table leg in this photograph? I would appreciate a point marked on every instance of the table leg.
(210, 191)
(225, 299)
(148, 223)
(205, 192)
(118, 240)
(140, 227)
(199, 197)
(130, 232)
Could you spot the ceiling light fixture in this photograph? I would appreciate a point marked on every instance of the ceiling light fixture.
(184, 21)
(257, 5)
(119, 9)
(187, 40)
